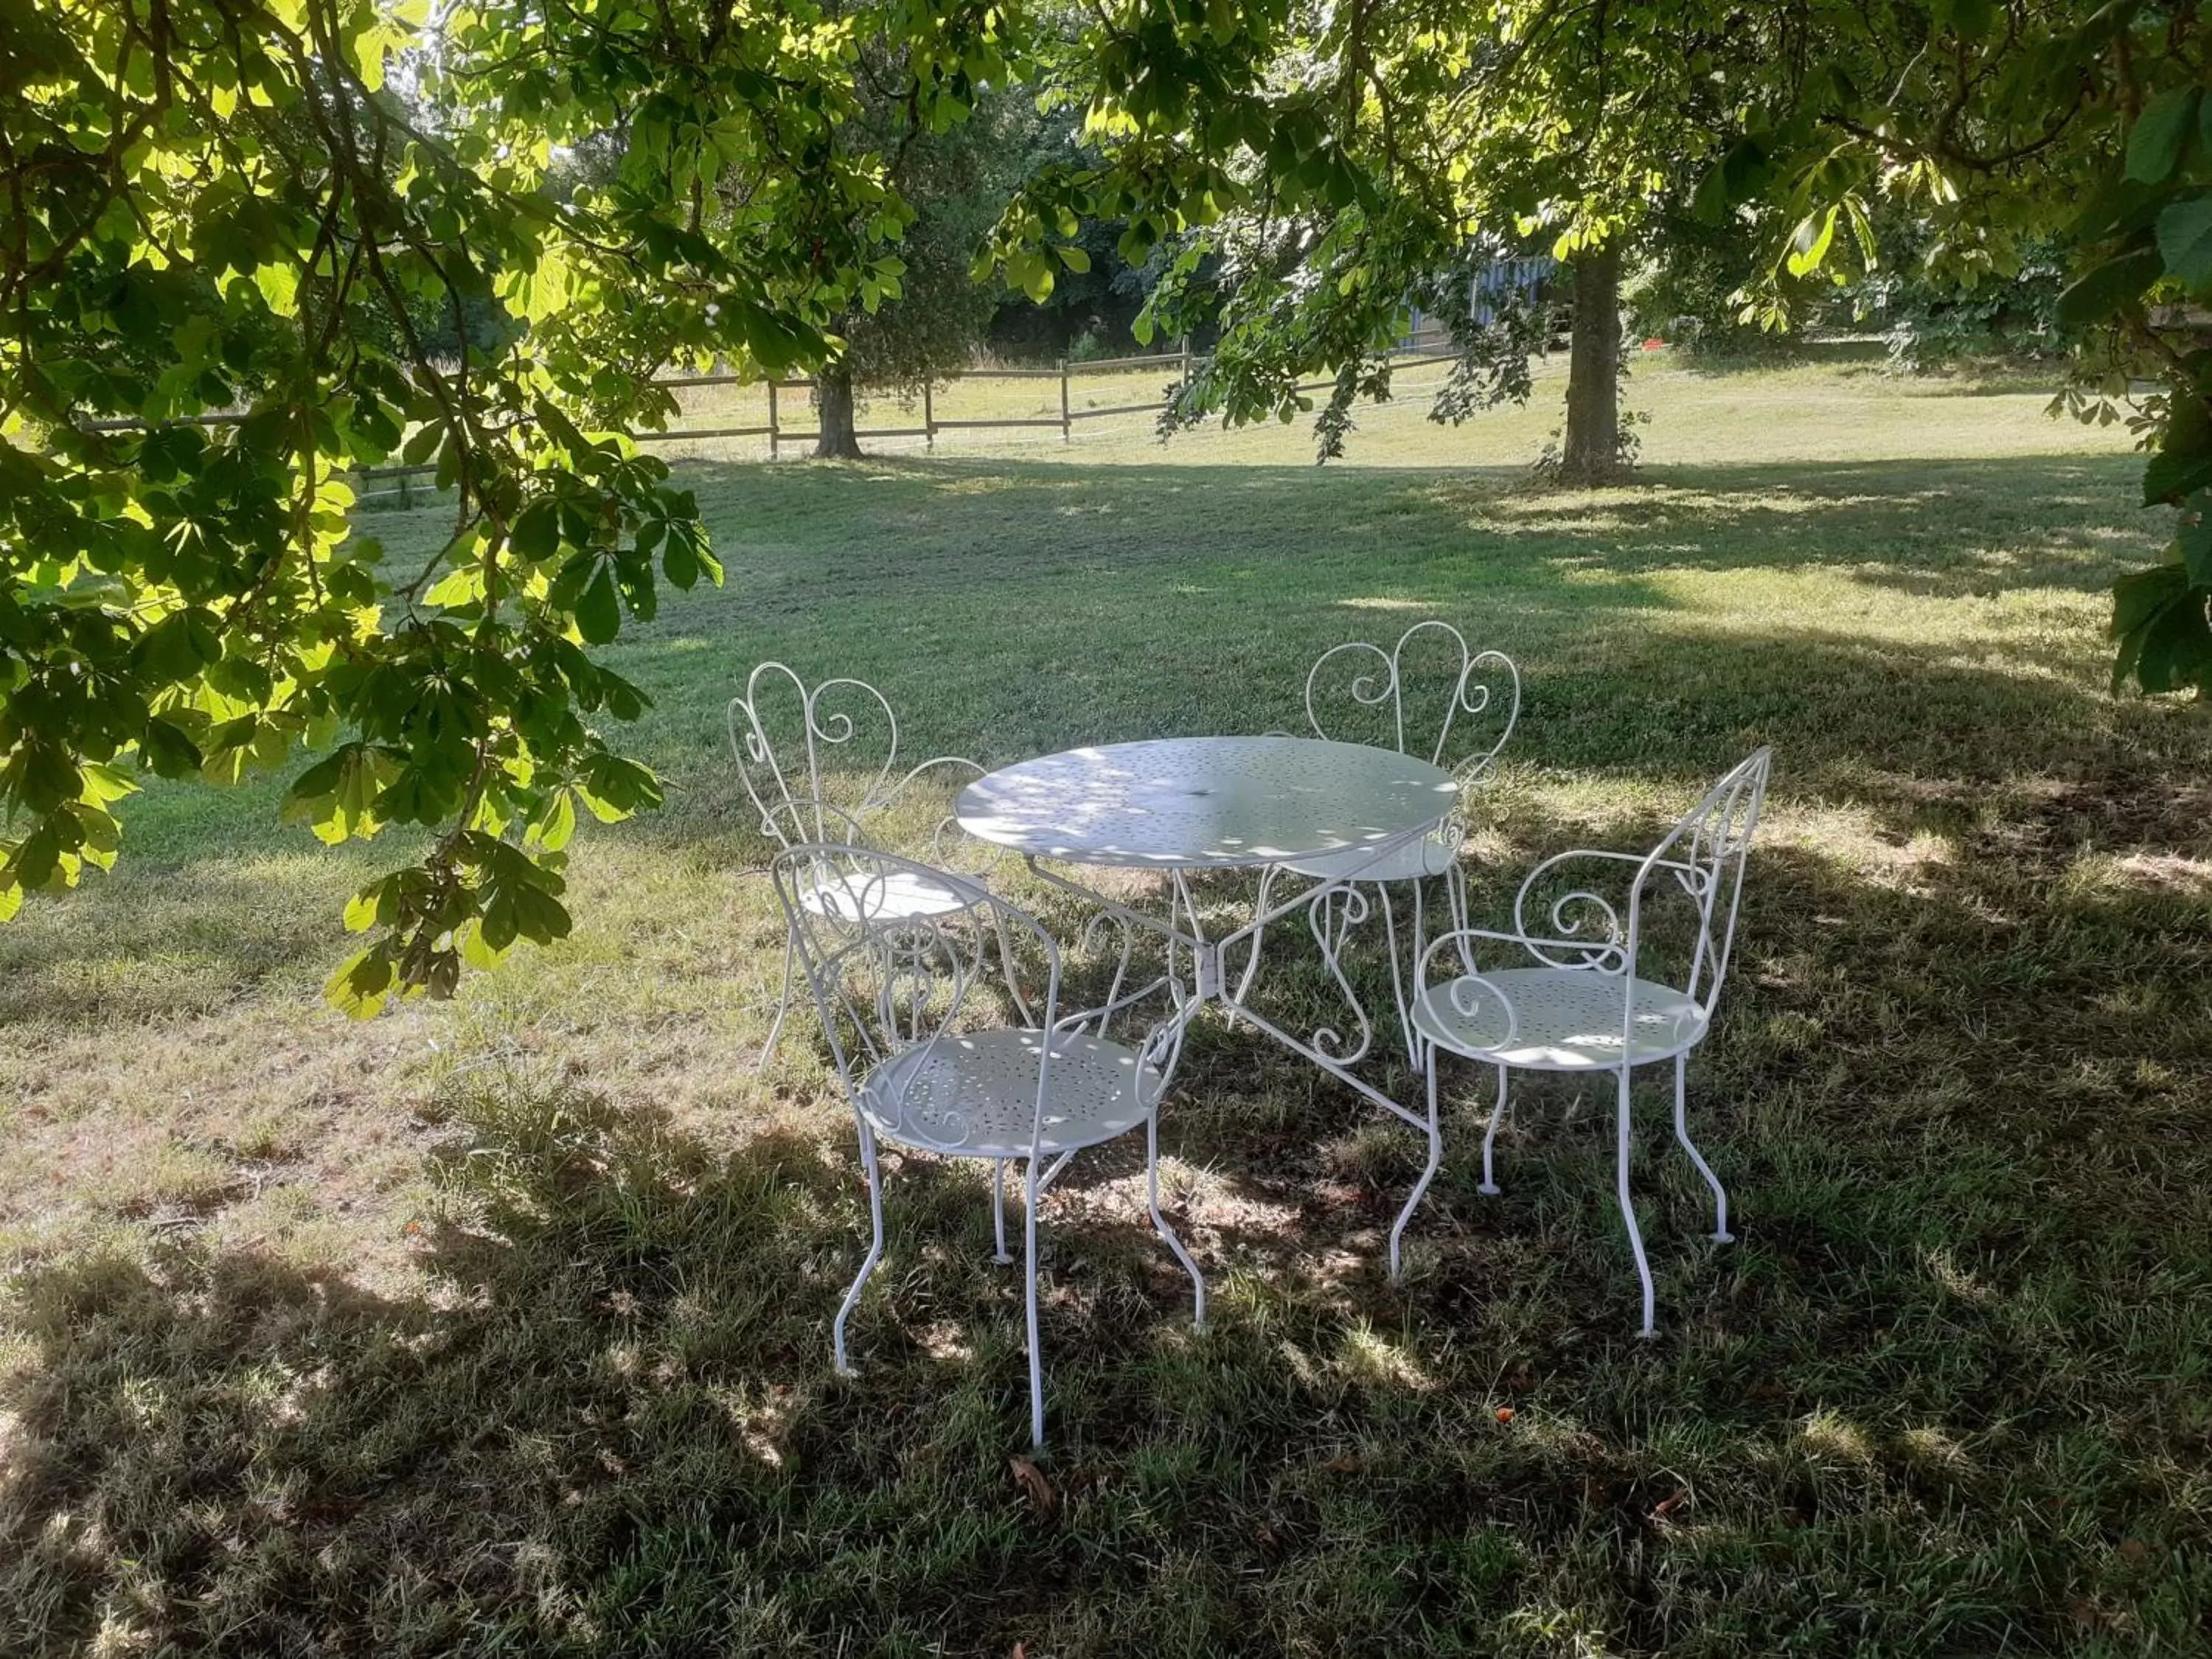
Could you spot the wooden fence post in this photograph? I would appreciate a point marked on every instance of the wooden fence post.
(771, 420)
(1185, 362)
(1067, 426)
(928, 419)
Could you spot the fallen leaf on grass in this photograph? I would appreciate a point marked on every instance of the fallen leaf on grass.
(1344, 1463)
(1034, 1485)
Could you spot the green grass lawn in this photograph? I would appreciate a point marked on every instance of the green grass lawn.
(503, 1324)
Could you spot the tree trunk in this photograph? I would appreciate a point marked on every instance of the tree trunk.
(833, 401)
(1592, 451)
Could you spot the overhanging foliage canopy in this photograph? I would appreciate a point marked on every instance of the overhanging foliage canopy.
(1345, 154)
(225, 205)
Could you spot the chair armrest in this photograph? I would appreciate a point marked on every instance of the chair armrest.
(1588, 955)
(949, 845)
(1577, 915)
(1466, 991)
(960, 764)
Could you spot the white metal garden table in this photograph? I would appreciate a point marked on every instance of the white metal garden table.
(1178, 805)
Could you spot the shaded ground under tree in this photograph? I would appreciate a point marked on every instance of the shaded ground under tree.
(558, 1377)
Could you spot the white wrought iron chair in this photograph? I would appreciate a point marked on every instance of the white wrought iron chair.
(925, 1069)
(1598, 997)
(786, 738)
(1461, 718)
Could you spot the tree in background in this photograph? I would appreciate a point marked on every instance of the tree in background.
(1927, 321)
(1345, 154)
(1688, 286)
(220, 206)
(928, 321)
(1592, 123)
(1341, 162)
(1096, 301)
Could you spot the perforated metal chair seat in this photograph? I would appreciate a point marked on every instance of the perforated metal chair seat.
(891, 897)
(974, 1094)
(1431, 856)
(1566, 1019)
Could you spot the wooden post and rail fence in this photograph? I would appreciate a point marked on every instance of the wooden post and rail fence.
(400, 480)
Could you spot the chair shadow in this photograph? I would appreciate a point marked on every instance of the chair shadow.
(613, 1315)
(619, 1348)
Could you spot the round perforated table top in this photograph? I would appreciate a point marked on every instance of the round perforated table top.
(1206, 803)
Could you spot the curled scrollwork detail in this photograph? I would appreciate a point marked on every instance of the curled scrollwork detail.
(1696, 881)
(1585, 929)
(1579, 914)
(1364, 689)
(1161, 1050)
(784, 735)
(1332, 915)
(1476, 683)
(1369, 689)
(1487, 676)
(1468, 992)
(838, 727)
(1111, 935)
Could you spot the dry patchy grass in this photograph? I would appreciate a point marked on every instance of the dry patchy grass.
(502, 1324)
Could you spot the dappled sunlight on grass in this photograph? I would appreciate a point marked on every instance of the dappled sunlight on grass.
(1956, 1280)
(2138, 874)
(503, 1322)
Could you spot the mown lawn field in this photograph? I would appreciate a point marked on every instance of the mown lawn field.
(501, 1325)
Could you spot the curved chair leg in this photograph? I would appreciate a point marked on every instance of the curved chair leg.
(868, 1161)
(1030, 1293)
(1721, 1234)
(1160, 1221)
(782, 1007)
(1428, 1174)
(1628, 1209)
(1489, 1188)
(999, 1209)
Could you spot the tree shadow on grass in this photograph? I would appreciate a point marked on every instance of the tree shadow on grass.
(1951, 975)
(622, 1352)
(1990, 375)
(1943, 529)
(1928, 1395)
(1942, 1397)
(1191, 590)
(156, 944)
(1940, 1393)
(953, 524)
